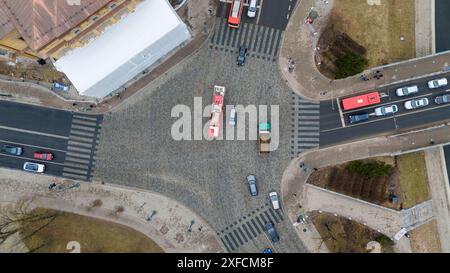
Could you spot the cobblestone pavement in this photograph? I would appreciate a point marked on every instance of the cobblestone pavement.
(136, 148)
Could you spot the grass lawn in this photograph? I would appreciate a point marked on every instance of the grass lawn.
(344, 236)
(425, 239)
(413, 179)
(94, 236)
(378, 28)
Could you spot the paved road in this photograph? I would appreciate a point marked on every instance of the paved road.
(442, 25)
(70, 137)
(136, 148)
(331, 122)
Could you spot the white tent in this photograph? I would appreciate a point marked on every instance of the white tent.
(125, 49)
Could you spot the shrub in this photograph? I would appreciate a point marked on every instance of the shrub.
(371, 169)
(349, 65)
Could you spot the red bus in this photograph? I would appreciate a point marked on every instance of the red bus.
(361, 101)
(234, 18)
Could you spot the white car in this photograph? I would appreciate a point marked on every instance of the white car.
(251, 13)
(437, 83)
(386, 110)
(417, 103)
(407, 90)
(33, 167)
(274, 199)
(233, 117)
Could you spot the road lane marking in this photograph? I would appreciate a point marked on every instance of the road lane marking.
(34, 146)
(32, 132)
(410, 112)
(33, 160)
(259, 11)
(340, 113)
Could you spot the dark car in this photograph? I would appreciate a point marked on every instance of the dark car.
(356, 118)
(251, 180)
(442, 99)
(241, 55)
(272, 232)
(12, 150)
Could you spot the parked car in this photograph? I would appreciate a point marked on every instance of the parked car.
(251, 180)
(251, 13)
(442, 99)
(268, 250)
(60, 86)
(272, 232)
(386, 110)
(274, 199)
(242, 52)
(233, 117)
(43, 156)
(437, 83)
(417, 103)
(12, 150)
(33, 167)
(356, 118)
(407, 90)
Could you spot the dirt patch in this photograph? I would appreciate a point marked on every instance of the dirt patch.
(93, 235)
(405, 187)
(425, 239)
(31, 71)
(345, 236)
(386, 30)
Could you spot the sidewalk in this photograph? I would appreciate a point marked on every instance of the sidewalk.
(168, 227)
(293, 190)
(299, 44)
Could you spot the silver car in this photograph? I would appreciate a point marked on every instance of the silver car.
(386, 110)
(407, 90)
(417, 103)
(33, 167)
(437, 83)
(251, 180)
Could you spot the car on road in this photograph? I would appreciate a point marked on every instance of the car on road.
(386, 110)
(242, 52)
(251, 13)
(272, 232)
(356, 118)
(274, 199)
(417, 103)
(60, 86)
(251, 180)
(43, 156)
(12, 150)
(268, 250)
(437, 83)
(442, 99)
(33, 167)
(233, 117)
(407, 90)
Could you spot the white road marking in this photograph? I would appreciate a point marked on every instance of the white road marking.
(32, 132)
(259, 12)
(33, 160)
(33, 146)
(340, 113)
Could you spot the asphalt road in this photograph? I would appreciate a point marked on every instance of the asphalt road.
(39, 129)
(333, 132)
(271, 13)
(442, 25)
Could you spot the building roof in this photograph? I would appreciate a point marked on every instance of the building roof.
(125, 42)
(41, 21)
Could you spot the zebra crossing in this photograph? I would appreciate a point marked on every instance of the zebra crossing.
(249, 227)
(81, 147)
(305, 125)
(262, 41)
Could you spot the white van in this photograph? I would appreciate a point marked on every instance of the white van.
(251, 13)
(233, 117)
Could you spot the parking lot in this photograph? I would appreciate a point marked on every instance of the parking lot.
(335, 126)
(137, 150)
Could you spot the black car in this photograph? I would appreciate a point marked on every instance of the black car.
(272, 232)
(12, 150)
(356, 118)
(241, 55)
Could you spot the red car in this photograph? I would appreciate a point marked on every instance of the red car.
(43, 156)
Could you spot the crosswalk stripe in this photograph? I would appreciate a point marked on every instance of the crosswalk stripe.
(76, 176)
(73, 159)
(308, 106)
(87, 151)
(311, 128)
(82, 122)
(85, 117)
(76, 143)
(83, 139)
(317, 117)
(308, 145)
(310, 139)
(81, 133)
(79, 127)
(73, 154)
(309, 133)
(302, 122)
(76, 171)
(75, 165)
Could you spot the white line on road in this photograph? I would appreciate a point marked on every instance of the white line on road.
(32, 132)
(259, 12)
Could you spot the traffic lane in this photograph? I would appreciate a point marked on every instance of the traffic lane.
(14, 162)
(34, 118)
(329, 115)
(276, 13)
(430, 116)
(45, 142)
(223, 11)
(347, 134)
(28, 152)
(442, 25)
